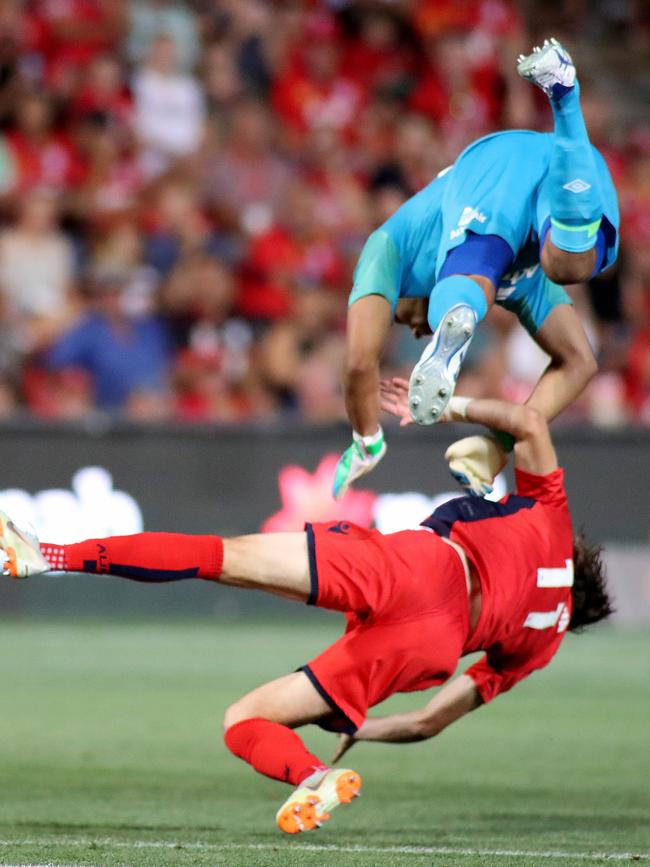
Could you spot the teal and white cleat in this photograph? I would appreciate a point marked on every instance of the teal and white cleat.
(434, 377)
(308, 806)
(21, 551)
(549, 67)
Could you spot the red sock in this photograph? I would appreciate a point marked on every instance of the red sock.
(142, 557)
(273, 750)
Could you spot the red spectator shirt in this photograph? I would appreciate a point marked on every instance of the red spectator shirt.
(522, 548)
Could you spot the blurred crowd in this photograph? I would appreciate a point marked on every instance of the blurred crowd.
(185, 188)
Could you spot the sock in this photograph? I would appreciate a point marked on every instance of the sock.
(141, 557)
(273, 750)
(451, 291)
(574, 186)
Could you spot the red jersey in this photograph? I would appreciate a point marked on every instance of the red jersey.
(522, 549)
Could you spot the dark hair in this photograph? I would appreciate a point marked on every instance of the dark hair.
(591, 601)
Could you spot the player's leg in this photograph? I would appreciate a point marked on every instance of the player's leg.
(576, 205)
(259, 730)
(275, 562)
(464, 292)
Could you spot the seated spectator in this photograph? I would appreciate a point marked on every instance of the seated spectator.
(148, 19)
(103, 94)
(67, 35)
(178, 228)
(213, 374)
(11, 360)
(41, 156)
(126, 357)
(110, 175)
(314, 92)
(168, 108)
(302, 355)
(221, 79)
(381, 54)
(418, 154)
(460, 90)
(298, 252)
(247, 182)
(37, 270)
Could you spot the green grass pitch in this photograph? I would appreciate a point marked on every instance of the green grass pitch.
(111, 754)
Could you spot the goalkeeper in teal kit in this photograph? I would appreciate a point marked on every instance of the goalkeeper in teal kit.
(519, 214)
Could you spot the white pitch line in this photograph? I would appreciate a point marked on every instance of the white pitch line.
(331, 847)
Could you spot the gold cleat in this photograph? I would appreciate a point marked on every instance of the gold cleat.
(20, 551)
(308, 806)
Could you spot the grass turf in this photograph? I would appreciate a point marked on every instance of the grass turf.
(110, 749)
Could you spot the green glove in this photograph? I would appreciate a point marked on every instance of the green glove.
(358, 459)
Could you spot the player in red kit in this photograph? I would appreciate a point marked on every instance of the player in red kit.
(508, 578)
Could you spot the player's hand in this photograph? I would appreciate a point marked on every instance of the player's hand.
(345, 743)
(358, 459)
(474, 462)
(394, 398)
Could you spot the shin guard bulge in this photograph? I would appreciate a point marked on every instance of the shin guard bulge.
(154, 557)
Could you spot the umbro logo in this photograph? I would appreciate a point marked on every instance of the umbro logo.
(577, 186)
(342, 527)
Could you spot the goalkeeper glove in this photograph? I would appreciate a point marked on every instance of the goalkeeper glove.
(474, 462)
(358, 459)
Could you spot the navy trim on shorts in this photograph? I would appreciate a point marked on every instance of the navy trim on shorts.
(313, 569)
(347, 726)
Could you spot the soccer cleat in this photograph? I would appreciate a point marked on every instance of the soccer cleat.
(549, 67)
(20, 551)
(434, 377)
(308, 806)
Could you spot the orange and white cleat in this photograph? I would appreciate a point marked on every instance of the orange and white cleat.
(308, 806)
(20, 551)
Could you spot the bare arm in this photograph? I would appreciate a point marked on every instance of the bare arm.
(449, 704)
(369, 321)
(534, 450)
(572, 362)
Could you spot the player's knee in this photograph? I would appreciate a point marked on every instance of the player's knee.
(358, 364)
(531, 423)
(565, 268)
(579, 357)
(586, 362)
(236, 713)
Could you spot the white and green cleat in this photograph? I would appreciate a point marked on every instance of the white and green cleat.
(311, 804)
(549, 67)
(20, 551)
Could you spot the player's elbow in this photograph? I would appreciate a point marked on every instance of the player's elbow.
(567, 268)
(530, 423)
(425, 727)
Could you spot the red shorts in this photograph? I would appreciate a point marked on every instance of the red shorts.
(405, 597)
